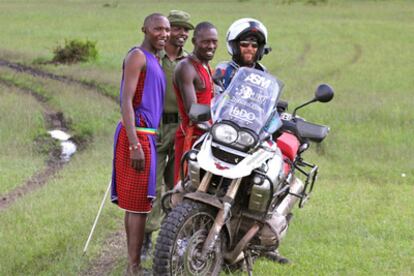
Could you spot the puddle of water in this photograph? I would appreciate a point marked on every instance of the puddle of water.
(59, 134)
(68, 147)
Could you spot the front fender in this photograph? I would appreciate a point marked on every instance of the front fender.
(214, 202)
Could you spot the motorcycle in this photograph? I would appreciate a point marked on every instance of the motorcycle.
(240, 181)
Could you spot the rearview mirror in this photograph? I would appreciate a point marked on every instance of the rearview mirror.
(324, 93)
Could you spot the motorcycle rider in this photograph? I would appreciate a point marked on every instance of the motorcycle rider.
(246, 43)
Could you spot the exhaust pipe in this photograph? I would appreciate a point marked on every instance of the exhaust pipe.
(296, 188)
(276, 227)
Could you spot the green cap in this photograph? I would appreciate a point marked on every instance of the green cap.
(180, 18)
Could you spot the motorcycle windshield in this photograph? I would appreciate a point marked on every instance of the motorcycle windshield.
(249, 100)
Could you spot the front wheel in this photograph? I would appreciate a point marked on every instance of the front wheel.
(181, 239)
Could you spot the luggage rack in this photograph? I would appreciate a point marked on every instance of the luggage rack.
(311, 177)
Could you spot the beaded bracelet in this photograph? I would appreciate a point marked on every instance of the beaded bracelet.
(134, 147)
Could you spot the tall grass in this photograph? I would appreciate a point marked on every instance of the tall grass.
(360, 218)
(21, 122)
(87, 112)
(46, 231)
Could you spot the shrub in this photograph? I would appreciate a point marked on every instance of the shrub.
(311, 2)
(114, 4)
(75, 51)
(316, 2)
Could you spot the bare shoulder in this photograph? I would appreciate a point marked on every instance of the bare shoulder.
(184, 68)
(135, 59)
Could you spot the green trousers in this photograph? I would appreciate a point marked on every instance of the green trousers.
(165, 173)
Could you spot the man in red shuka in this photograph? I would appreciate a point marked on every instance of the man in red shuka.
(142, 99)
(193, 83)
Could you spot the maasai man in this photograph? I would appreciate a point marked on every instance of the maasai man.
(142, 99)
(174, 52)
(193, 83)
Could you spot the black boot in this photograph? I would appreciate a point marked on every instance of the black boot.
(275, 256)
(146, 249)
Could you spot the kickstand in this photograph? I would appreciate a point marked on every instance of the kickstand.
(249, 262)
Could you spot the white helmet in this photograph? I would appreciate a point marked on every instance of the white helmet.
(242, 28)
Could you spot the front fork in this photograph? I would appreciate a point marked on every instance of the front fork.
(222, 216)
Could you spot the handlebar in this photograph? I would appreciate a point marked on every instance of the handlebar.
(302, 129)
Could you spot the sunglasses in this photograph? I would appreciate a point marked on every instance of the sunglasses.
(246, 44)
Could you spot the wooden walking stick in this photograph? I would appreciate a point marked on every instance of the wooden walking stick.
(97, 217)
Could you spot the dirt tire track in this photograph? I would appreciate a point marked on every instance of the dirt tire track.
(357, 54)
(302, 57)
(113, 247)
(35, 182)
(300, 60)
(47, 75)
(337, 71)
(53, 119)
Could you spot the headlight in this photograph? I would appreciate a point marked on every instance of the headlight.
(246, 139)
(224, 133)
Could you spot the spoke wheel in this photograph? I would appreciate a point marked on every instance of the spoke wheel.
(180, 241)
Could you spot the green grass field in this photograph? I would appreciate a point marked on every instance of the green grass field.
(361, 216)
(19, 159)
